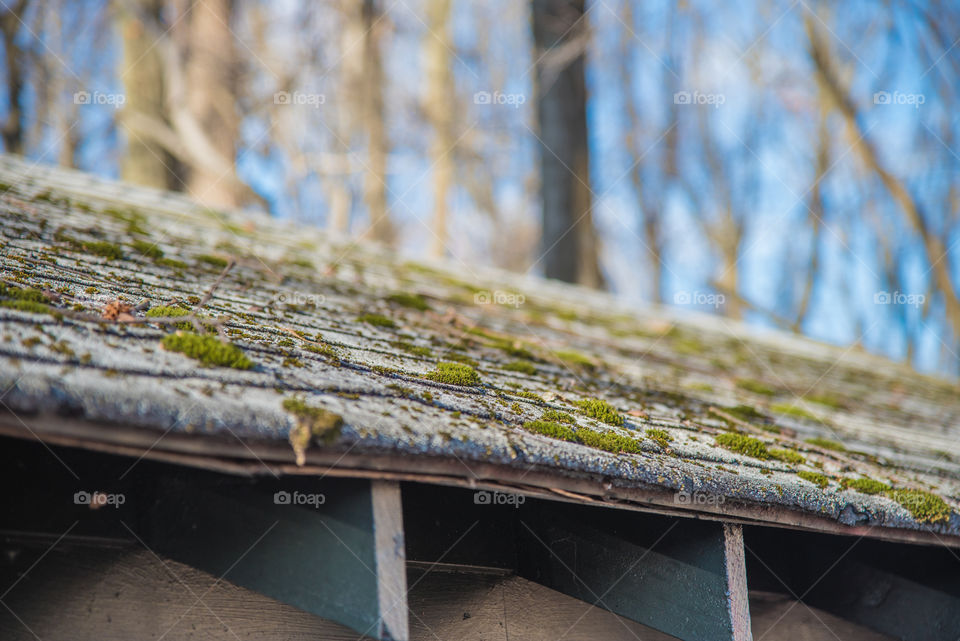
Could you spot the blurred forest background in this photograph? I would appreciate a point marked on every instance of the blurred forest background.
(791, 164)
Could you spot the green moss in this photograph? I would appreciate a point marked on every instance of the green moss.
(107, 250)
(816, 478)
(575, 360)
(208, 350)
(609, 441)
(213, 261)
(312, 423)
(558, 417)
(30, 306)
(454, 374)
(745, 413)
(515, 407)
(531, 396)
(925, 507)
(793, 410)
(416, 350)
(170, 311)
(742, 444)
(148, 249)
(827, 400)
(171, 263)
(413, 301)
(865, 485)
(660, 437)
(600, 410)
(376, 319)
(323, 350)
(787, 456)
(551, 429)
(756, 387)
(524, 367)
(827, 444)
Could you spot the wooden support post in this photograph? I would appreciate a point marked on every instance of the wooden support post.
(334, 549)
(685, 578)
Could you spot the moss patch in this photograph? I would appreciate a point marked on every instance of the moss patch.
(865, 485)
(607, 441)
(104, 249)
(742, 444)
(413, 301)
(20, 293)
(208, 350)
(558, 417)
(161, 311)
(787, 456)
(827, 444)
(376, 319)
(30, 306)
(575, 360)
(660, 437)
(212, 261)
(793, 410)
(172, 263)
(454, 374)
(524, 367)
(756, 387)
(312, 423)
(600, 410)
(551, 429)
(148, 249)
(925, 507)
(820, 480)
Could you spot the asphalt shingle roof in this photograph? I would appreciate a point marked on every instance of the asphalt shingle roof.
(341, 326)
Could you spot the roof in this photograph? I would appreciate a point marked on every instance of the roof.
(340, 343)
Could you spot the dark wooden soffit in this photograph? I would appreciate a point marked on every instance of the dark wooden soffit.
(261, 458)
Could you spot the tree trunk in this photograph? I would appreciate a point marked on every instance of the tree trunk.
(439, 110)
(145, 162)
(568, 242)
(375, 176)
(15, 59)
(211, 78)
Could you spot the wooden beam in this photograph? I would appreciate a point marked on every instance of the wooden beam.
(334, 549)
(684, 578)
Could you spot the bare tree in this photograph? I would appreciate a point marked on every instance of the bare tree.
(569, 243)
(439, 104)
(12, 129)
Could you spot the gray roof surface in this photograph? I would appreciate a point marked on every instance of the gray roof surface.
(692, 375)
